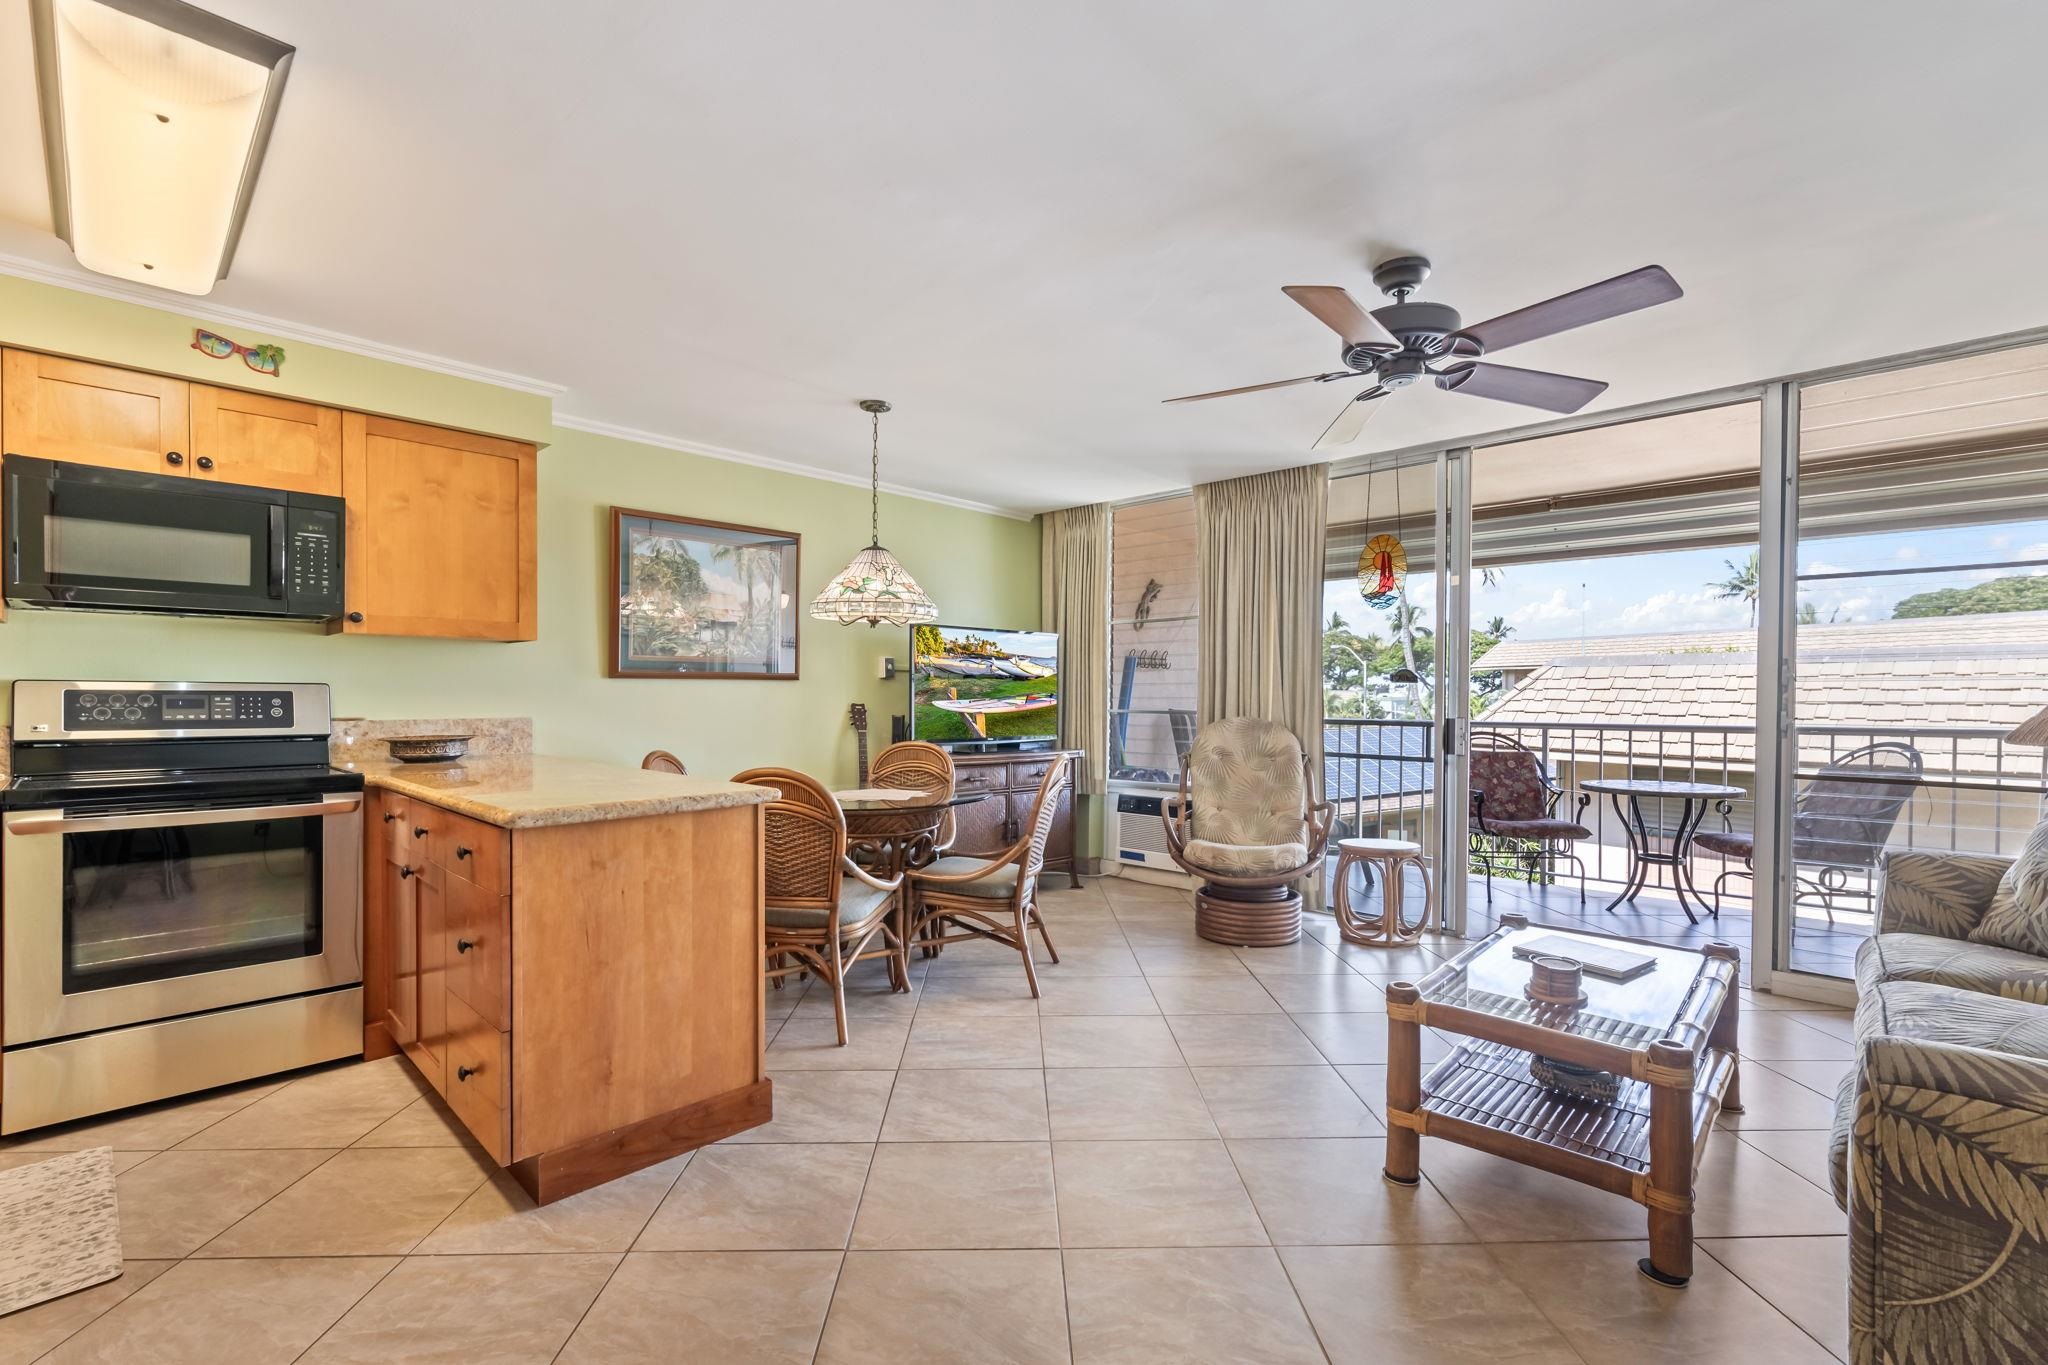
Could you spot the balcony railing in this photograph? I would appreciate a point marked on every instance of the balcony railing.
(1973, 794)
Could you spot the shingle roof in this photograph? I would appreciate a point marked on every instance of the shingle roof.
(1944, 674)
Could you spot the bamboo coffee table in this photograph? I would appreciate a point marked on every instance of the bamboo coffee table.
(1670, 1035)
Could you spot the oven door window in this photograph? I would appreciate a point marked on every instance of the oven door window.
(173, 900)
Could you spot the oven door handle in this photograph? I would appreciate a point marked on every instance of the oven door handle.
(57, 822)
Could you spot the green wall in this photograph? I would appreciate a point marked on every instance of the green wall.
(982, 569)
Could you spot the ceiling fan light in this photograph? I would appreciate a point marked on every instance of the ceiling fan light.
(155, 119)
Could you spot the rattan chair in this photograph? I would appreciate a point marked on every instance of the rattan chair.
(962, 898)
(914, 765)
(823, 910)
(1247, 823)
(662, 761)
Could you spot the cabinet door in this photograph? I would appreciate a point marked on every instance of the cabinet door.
(400, 893)
(984, 826)
(433, 976)
(440, 532)
(253, 438)
(58, 409)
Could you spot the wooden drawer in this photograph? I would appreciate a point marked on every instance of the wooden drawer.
(478, 1085)
(413, 833)
(472, 850)
(479, 953)
(981, 777)
(1026, 775)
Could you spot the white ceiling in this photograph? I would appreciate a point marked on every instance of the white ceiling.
(1026, 224)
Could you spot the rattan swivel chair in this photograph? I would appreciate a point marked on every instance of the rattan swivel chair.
(1247, 823)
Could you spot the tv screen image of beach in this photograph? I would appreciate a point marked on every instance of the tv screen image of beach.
(969, 686)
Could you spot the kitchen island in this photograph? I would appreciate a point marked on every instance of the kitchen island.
(569, 953)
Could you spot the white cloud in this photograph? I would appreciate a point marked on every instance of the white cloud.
(1906, 553)
(1705, 609)
(1559, 606)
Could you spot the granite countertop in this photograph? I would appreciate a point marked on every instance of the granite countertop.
(520, 791)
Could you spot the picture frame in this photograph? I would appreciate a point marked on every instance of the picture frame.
(693, 598)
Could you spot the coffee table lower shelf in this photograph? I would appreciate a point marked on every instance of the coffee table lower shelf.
(1482, 1096)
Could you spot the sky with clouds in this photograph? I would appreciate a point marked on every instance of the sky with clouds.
(1673, 591)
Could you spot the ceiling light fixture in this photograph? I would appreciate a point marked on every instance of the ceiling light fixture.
(874, 588)
(155, 118)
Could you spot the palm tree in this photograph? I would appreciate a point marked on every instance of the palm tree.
(1743, 583)
(1498, 628)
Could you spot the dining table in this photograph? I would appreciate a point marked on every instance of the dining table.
(897, 829)
(1628, 795)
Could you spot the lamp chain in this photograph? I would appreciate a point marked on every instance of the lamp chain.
(875, 481)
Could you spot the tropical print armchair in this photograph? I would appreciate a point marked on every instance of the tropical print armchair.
(1941, 1130)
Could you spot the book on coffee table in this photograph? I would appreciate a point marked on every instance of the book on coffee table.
(1609, 964)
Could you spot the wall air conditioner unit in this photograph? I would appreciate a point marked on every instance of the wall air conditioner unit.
(1137, 833)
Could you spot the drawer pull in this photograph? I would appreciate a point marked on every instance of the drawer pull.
(419, 831)
(404, 872)
(389, 816)
(461, 852)
(463, 1073)
(463, 945)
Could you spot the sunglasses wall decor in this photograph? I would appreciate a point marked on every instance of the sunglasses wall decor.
(262, 359)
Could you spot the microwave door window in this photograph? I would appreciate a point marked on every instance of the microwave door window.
(173, 900)
(80, 548)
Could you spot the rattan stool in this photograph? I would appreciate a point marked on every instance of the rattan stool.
(1389, 858)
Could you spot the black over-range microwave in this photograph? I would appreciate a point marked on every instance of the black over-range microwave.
(81, 537)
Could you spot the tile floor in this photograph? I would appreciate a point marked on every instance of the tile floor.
(1173, 1156)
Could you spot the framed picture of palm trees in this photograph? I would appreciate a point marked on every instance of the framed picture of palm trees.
(702, 599)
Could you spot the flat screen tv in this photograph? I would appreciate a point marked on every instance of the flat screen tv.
(975, 686)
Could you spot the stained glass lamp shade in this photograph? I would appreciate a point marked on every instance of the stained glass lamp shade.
(874, 588)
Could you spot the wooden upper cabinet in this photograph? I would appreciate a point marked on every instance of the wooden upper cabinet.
(57, 409)
(441, 531)
(253, 438)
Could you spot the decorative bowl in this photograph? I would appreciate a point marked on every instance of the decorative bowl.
(427, 748)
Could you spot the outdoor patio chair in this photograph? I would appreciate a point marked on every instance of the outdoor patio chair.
(1843, 819)
(1247, 823)
(1513, 798)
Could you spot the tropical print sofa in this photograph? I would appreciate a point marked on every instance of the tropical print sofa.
(1940, 1142)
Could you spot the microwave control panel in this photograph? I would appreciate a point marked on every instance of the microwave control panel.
(313, 560)
(254, 709)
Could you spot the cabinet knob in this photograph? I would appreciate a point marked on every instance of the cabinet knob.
(173, 457)
(463, 945)
(205, 461)
(419, 831)
(404, 872)
(355, 618)
(461, 852)
(463, 1073)
(389, 816)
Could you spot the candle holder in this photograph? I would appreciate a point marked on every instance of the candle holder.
(1556, 981)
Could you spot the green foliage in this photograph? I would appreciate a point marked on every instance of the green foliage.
(2020, 593)
(1743, 582)
(926, 640)
(939, 725)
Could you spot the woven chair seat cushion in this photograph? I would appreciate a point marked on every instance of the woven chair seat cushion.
(1982, 967)
(857, 902)
(1727, 844)
(1245, 859)
(998, 885)
(1536, 829)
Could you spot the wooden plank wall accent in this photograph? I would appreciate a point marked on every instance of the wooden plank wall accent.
(632, 996)
(1154, 542)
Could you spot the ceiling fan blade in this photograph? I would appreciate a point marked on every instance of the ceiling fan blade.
(1254, 388)
(1350, 422)
(1535, 388)
(1595, 303)
(1339, 312)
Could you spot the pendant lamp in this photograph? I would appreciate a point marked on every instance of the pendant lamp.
(874, 588)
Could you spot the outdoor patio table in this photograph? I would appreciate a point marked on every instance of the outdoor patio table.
(1643, 853)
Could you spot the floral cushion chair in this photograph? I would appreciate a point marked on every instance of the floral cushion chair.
(1513, 798)
(1248, 824)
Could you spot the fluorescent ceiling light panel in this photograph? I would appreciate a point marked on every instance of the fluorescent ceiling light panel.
(155, 117)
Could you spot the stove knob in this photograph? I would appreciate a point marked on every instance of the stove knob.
(134, 713)
(148, 699)
(101, 713)
(88, 699)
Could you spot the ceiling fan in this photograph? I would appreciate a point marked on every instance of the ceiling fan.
(1407, 341)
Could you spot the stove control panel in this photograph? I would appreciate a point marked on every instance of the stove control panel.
(251, 709)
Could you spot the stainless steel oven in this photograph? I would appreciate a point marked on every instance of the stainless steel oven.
(180, 893)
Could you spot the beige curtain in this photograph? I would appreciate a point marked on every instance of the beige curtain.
(1259, 552)
(1073, 558)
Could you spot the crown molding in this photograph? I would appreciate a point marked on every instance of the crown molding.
(163, 301)
(807, 471)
